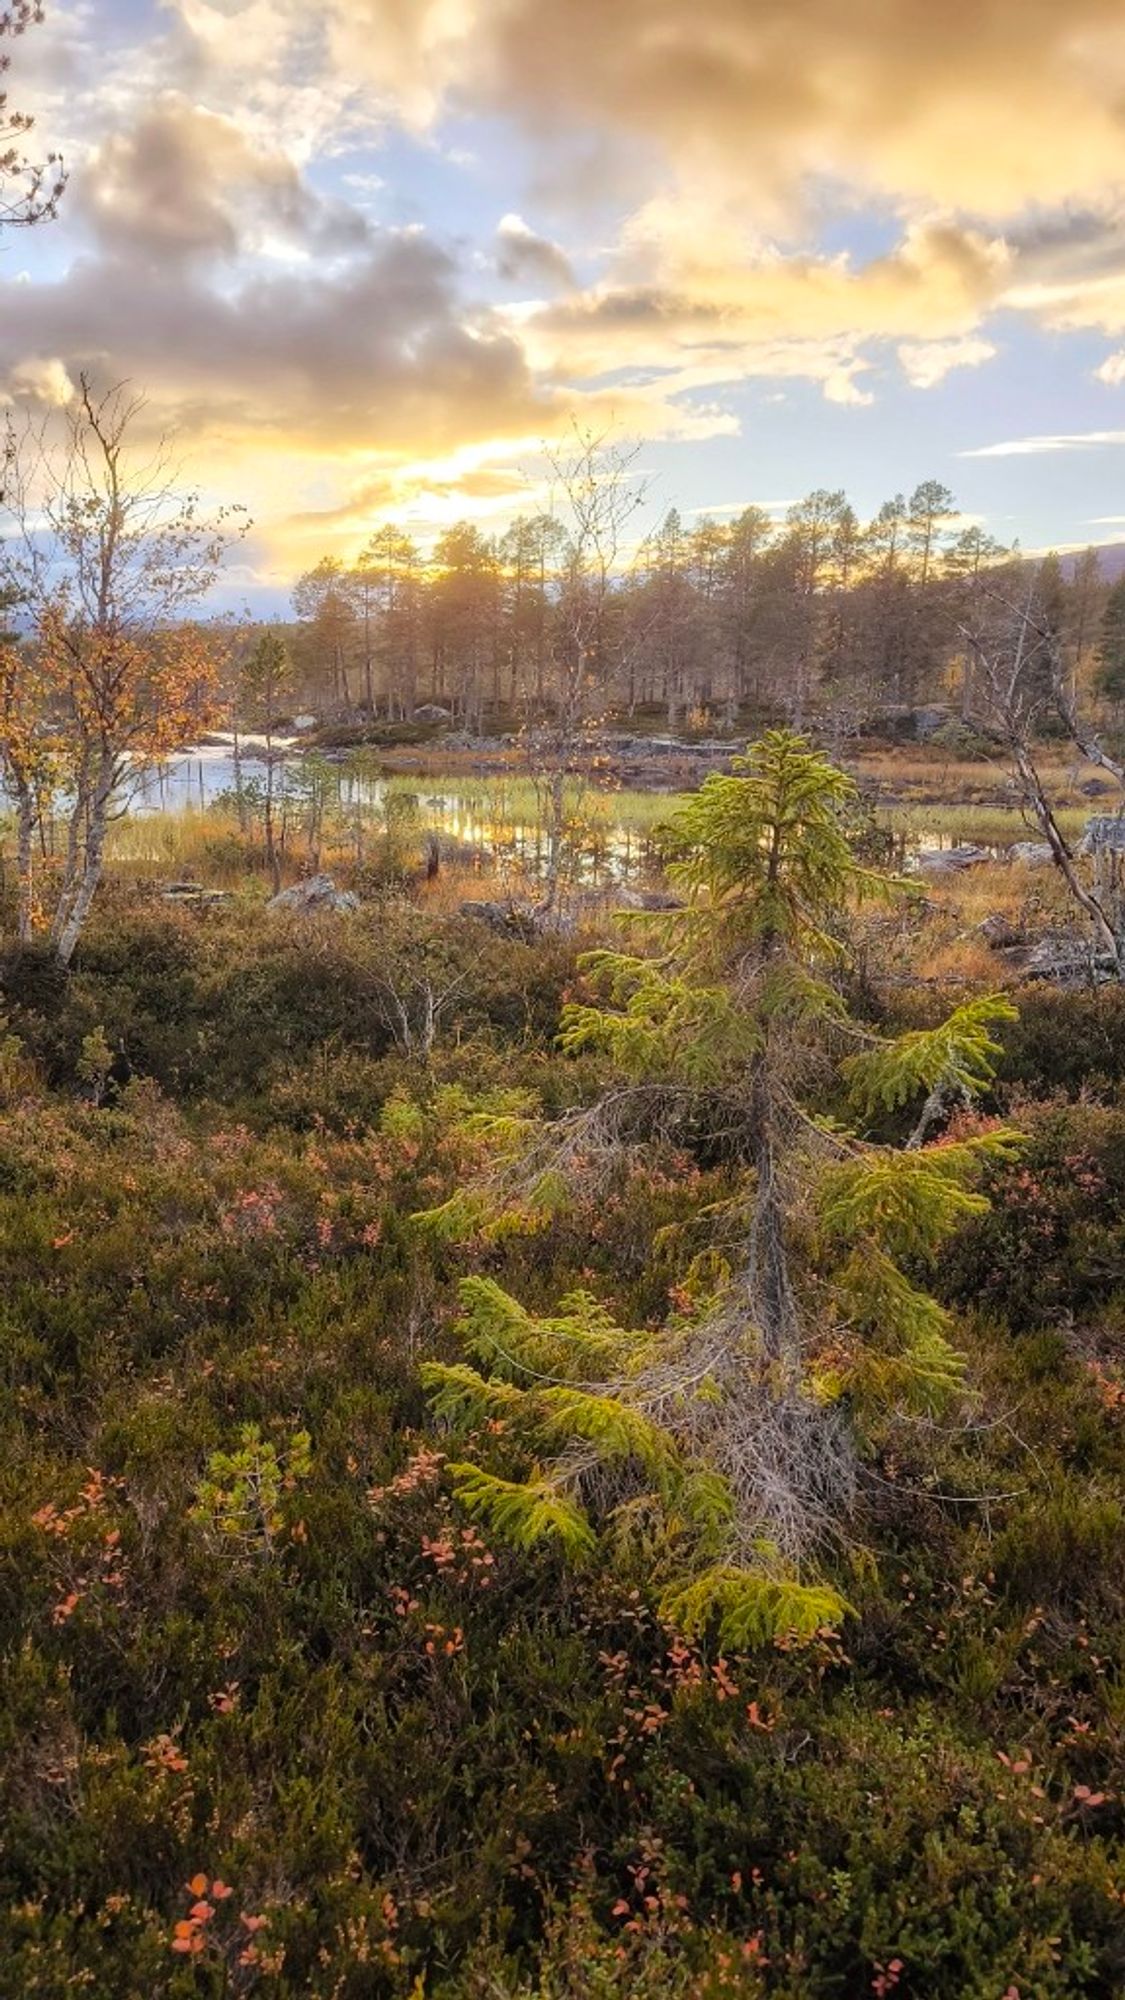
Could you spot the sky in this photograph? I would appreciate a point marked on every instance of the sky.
(367, 259)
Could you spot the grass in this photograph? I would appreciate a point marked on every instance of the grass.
(984, 825)
(502, 816)
(518, 799)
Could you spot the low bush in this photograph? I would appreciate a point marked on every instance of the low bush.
(277, 1719)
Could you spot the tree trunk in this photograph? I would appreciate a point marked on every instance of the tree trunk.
(239, 795)
(1063, 859)
(72, 863)
(772, 1303)
(272, 861)
(25, 851)
(93, 862)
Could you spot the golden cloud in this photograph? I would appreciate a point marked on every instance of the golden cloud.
(989, 105)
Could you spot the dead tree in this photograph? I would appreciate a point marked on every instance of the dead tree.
(1019, 670)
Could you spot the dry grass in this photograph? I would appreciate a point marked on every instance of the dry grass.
(981, 825)
(927, 774)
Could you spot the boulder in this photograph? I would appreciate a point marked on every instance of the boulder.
(645, 899)
(524, 921)
(193, 892)
(510, 920)
(1104, 834)
(927, 721)
(949, 860)
(319, 892)
(1069, 958)
(1030, 853)
(430, 711)
(1001, 933)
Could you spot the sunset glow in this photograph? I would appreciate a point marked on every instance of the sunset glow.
(365, 262)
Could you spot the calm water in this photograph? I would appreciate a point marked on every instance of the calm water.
(479, 819)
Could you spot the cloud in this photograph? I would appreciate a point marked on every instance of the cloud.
(986, 104)
(722, 147)
(185, 183)
(41, 379)
(522, 254)
(382, 353)
(694, 300)
(1031, 447)
(926, 363)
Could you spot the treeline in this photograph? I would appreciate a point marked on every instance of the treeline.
(818, 616)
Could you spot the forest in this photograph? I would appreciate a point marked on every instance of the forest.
(810, 614)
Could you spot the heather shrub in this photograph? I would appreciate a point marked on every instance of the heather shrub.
(278, 1718)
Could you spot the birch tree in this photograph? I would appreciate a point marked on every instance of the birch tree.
(106, 559)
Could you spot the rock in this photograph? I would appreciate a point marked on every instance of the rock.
(645, 899)
(1001, 933)
(1069, 959)
(1030, 853)
(525, 921)
(193, 892)
(303, 722)
(927, 721)
(949, 860)
(431, 712)
(1104, 834)
(511, 920)
(1096, 788)
(319, 892)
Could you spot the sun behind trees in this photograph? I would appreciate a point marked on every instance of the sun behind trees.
(718, 1453)
(105, 562)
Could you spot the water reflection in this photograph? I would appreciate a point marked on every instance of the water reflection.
(491, 821)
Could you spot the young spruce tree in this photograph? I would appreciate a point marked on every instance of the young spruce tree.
(721, 1451)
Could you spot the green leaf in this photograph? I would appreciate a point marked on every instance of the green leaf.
(747, 1609)
(461, 1396)
(910, 1201)
(961, 1053)
(523, 1513)
(615, 1430)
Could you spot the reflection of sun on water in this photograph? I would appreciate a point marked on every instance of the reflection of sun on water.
(499, 823)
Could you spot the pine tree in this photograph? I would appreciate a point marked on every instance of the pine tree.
(731, 1434)
(1111, 651)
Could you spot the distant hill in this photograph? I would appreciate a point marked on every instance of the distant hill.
(1111, 560)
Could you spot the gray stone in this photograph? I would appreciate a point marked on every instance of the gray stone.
(1104, 834)
(512, 920)
(1030, 853)
(1001, 933)
(1069, 958)
(319, 892)
(195, 893)
(949, 860)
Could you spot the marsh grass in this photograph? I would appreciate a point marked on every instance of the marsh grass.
(982, 824)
